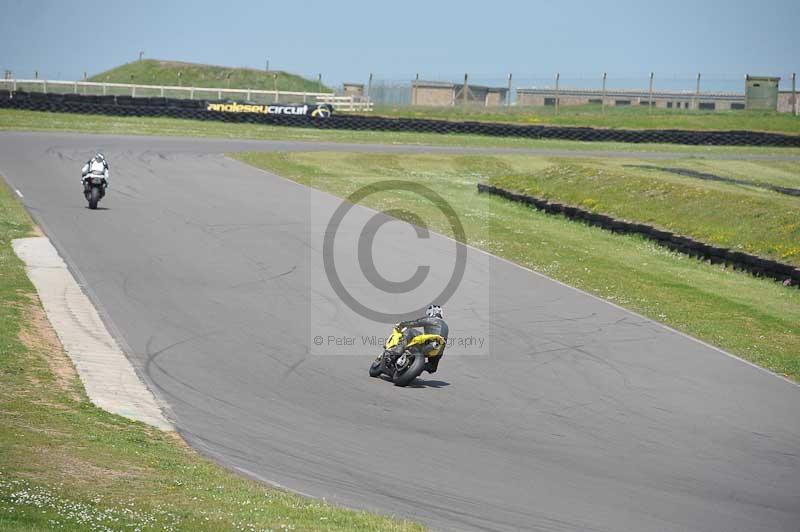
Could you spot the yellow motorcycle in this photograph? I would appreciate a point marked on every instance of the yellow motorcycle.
(404, 368)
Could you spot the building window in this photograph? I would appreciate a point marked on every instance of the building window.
(735, 105)
(549, 101)
(669, 105)
(598, 101)
(707, 106)
(622, 102)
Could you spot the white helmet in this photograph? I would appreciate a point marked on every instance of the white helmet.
(434, 311)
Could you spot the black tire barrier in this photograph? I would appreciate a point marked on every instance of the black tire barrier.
(760, 267)
(711, 177)
(130, 106)
(5, 94)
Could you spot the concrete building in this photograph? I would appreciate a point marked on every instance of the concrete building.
(443, 93)
(788, 102)
(353, 89)
(761, 92)
(719, 101)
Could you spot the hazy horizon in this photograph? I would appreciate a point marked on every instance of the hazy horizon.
(347, 42)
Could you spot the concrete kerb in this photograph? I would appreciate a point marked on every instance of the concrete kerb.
(108, 376)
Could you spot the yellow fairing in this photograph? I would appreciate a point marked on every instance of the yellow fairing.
(394, 339)
(425, 338)
(420, 339)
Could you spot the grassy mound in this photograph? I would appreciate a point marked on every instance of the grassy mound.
(157, 72)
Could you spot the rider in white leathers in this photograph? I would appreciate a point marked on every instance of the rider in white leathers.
(97, 165)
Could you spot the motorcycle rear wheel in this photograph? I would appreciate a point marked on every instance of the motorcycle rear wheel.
(413, 371)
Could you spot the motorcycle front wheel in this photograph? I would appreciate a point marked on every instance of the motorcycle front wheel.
(94, 197)
(413, 370)
(375, 369)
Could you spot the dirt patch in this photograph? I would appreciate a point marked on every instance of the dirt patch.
(38, 335)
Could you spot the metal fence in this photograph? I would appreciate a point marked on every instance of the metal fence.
(90, 88)
(398, 91)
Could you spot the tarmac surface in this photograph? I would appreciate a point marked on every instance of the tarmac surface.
(573, 415)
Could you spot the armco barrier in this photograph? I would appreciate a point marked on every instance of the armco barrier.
(130, 106)
(738, 260)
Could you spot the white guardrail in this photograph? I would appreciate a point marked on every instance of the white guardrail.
(340, 103)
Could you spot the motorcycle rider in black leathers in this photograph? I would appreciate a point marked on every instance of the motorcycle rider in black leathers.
(431, 323)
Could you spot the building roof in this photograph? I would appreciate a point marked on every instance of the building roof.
(763, 78)
(634, 93)
(450, 85)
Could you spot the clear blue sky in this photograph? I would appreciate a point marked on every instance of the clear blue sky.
(347, 40)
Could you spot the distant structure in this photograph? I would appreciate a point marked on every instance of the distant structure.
(712, 101)
(761, 93)
(353, 89)
(443, 93)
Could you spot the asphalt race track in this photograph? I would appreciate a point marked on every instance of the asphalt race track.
(582, 417)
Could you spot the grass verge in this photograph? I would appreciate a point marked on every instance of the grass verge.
(748, 218)
(622, 117)
(67, 465)
(19, 120)
(756, 319)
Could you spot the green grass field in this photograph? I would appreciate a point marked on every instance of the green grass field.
(623, 117)
(748, 218)
(158, 72)
(756, 319)
(16, 120)
(67, 465)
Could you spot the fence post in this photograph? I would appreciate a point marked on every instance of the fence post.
(319, 82)
(44, 84)
(465, 89)
(219, 94)
(133, 91)
(15, 84)
(191, 93)
(369, 88)
(558, 77)
(794, 93)
(75, 87)
(603, 97)
(650, 95)
(696, 103)
(414, 91)
(508, 94)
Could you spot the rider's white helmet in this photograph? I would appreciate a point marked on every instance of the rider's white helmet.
(434, 311)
